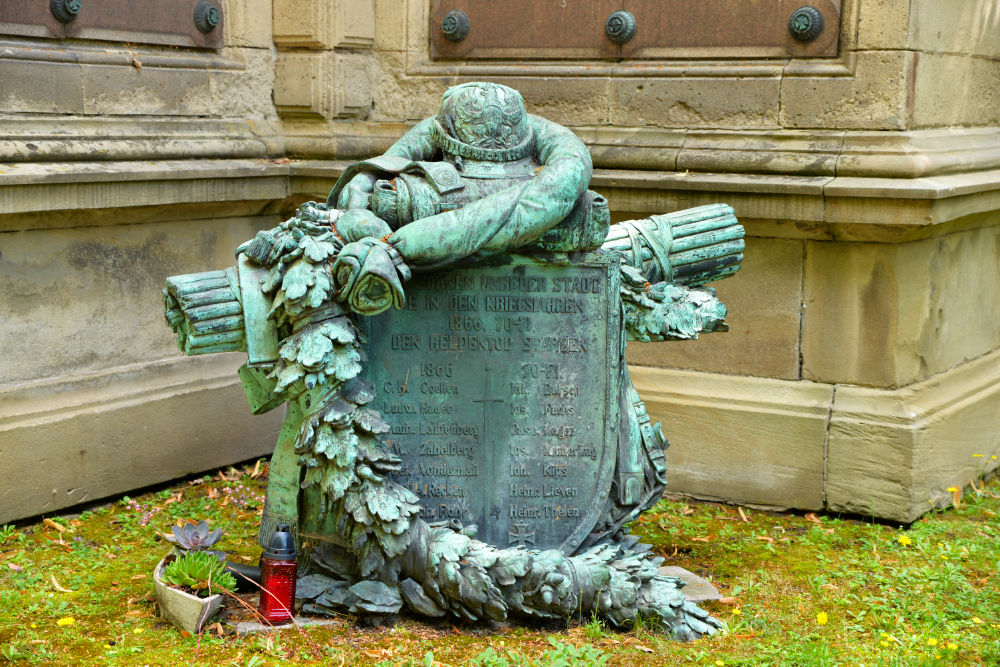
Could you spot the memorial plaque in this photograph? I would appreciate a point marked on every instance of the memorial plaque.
(493, 380)
(663, 29)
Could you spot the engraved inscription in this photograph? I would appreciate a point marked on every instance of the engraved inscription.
(487, 379)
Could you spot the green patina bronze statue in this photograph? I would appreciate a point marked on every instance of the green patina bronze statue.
(372, 316)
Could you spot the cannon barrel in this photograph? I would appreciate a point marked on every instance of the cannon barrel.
(689, 247)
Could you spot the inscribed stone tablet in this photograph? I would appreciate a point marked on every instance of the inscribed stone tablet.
(496, 381)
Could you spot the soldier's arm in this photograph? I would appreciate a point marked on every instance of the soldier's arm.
(414, 145)
(508, 219)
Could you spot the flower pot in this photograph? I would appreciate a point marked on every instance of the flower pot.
(186, 611)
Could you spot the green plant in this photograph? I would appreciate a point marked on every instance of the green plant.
(200, 571)
(594, 630)
(6, 532)
(197, 537)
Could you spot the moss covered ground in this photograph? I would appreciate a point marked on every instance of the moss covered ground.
(800, 589)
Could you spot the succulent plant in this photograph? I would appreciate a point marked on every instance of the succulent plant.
(197, 537)
(201, 571)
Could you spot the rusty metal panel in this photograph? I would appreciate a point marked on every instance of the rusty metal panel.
(515, 29)
(525, 29)
(727, 29)
(169, 22)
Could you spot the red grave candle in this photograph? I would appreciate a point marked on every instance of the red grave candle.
(277, 577)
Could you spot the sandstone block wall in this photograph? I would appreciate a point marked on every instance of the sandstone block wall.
(861, 370)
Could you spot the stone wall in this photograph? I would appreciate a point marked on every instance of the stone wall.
(861, 373)
(121, 164)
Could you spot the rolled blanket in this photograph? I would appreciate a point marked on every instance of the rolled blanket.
(368, 278)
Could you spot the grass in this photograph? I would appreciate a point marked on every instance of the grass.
(799, 590)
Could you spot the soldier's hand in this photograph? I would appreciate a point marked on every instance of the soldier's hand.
(357, 193)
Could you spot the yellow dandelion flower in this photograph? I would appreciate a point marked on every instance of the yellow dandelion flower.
(952, 646)
(822, 618)
(904, 540)
(978, 456)
(719, 663)
(975, 619)
(884, 643)
(994, 457)
(943, 557)
(137, 630)
(737, 612)
(66, 620)
(952, 489)
(932, 642)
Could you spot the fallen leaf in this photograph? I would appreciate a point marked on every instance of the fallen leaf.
(830, 587)
(811, 516)
(135, 612)
(135, 62)
(138, 577)
(743, 515)
(76, 522)
(8, 554)
(213, 492)
(174, 498)
(687, 511)
(52, 524)
(700, 539)
(764, 538)
(185, 634)
(644, 649)
(728, 600)
(56, 585)
(38, 641)
(16, 568)
(256, 470)
(216, 628)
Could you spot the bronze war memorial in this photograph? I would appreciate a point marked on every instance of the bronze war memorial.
(448, 331)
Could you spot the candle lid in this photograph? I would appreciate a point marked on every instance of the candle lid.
(282, 545)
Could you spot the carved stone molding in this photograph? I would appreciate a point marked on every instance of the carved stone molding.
(38, 139)
(890, 453)
(324, 24)
(324, 85)
(846, 208)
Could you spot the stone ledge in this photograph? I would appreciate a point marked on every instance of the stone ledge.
(131, 427)
(812, 207)
(752, 440)
(85, 194)
(39, 139)
(895, 155)
(894, 453)
(876, 452)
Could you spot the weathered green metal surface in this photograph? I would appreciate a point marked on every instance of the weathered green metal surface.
(487, 379)
(496, 403)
